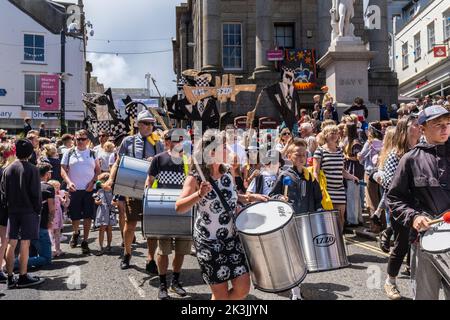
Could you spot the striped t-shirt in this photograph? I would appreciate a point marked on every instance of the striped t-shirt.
(332, 164)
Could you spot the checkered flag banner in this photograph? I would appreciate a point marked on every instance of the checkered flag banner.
(288, 69)
(131, 111)
(182, 81)
(201, 82)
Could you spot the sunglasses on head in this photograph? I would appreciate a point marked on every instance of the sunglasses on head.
(82, 139)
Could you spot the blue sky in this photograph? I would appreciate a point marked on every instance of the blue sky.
(132, 20)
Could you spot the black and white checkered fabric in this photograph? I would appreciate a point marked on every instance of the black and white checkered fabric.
(201, 82)
(171, 178)
(102, 126)
(132, 111)
(118, 128)
(182, 81)
(288, 69)
(389, 168)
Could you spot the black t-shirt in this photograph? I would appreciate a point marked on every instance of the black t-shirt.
(170, 174)
(48, 192)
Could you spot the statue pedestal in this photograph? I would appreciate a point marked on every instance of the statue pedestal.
(346, 64)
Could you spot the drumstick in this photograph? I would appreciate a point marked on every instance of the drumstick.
(287, 181)
(445, 218)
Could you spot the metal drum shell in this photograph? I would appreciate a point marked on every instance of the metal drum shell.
(322, 249)
(275, 258)
(130, 177)
(160, 220)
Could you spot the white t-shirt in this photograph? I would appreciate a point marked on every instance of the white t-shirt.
(103, 157)
(112, 159)
(269, 182)
(81, 167)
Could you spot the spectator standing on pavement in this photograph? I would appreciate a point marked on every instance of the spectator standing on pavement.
(424, 172)
(169, 170)
(34, 139)
(42, 133)
(79, 169)
(21, 194)
(100, 152)
(67, 143)
(61, 201)
(384, 114)
(105, 217)
(49, 154)
(7, 156)
(26, 126)
(144, 145)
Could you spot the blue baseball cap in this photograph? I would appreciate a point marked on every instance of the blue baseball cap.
(432, 112)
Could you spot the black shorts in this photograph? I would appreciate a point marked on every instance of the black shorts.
(82, 205)
(24, 226)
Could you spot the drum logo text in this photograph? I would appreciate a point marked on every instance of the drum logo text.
(324, 240)
(281, 211)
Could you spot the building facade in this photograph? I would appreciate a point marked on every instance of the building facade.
(30, 46)
(425, 25)
(219, 36)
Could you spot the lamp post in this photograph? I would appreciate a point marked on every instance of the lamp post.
(63, 84)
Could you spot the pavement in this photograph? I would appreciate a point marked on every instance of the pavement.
(89, 277)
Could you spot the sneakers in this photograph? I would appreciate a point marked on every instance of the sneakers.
(151, 267)
(74, 240)
(12, 282)
(176, 287)
(162, 293)
(28, 281)
(125, 263)
(3, 277)
(85, 248)
(392, 291)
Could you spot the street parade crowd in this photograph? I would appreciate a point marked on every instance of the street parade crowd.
(396, 169)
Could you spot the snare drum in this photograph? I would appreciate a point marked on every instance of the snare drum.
(130, 177)
(321, 240)
(269, 236)
(436, 242)
(160, 220)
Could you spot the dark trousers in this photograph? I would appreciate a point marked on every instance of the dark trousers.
(400, 249)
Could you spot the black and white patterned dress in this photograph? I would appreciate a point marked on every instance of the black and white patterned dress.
(332, 164)
(220, 253)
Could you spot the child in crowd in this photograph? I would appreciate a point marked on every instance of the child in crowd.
(106, 212)
(264, 182)
(304, 193)
(61, 200)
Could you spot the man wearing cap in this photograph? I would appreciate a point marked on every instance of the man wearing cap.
(143, 145)
(21, 194)
(420, 192)
(168, 171)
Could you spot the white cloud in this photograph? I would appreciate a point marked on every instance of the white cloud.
(112, 70)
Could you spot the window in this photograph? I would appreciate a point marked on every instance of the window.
(431, 36)
(284, 36)
(405, 62)
(417, 49)
(232, 46)
(446, 25)
(32, 89)
(33, 46)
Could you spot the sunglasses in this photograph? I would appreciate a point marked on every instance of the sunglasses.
(286, 134)
(145, 123)
(82, 139)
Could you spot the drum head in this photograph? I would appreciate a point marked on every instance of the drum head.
(264, 217)
(436, 239)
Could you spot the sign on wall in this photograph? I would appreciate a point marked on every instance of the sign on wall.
(304, 65)
(49, 99)
(440, 51)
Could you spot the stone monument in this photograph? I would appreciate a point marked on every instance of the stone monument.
(347, 60)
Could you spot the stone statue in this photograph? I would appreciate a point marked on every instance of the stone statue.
(341, 14)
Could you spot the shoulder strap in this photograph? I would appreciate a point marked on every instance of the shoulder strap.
(70, 153)
(221, 197)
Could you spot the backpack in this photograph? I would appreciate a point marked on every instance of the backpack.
(72, 152)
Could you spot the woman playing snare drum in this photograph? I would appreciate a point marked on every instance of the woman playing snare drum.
(219, 250)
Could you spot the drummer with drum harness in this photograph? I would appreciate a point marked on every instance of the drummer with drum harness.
(168, 170)
(420, 191)
(143, 145)
(303, 192)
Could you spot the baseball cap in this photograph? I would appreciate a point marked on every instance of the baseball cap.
(145, 115)
(432, 112)
(173, 135)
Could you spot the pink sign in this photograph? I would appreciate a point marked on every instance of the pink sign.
(275, 55)
(49, 100)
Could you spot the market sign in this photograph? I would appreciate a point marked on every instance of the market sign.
(49, 98)
(275, 55)
(440, 51)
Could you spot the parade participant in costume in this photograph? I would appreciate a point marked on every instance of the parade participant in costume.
(168, 171)
(219, 250)
(286, 99)
(425, 173)
(143, 145)
(304, 194)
